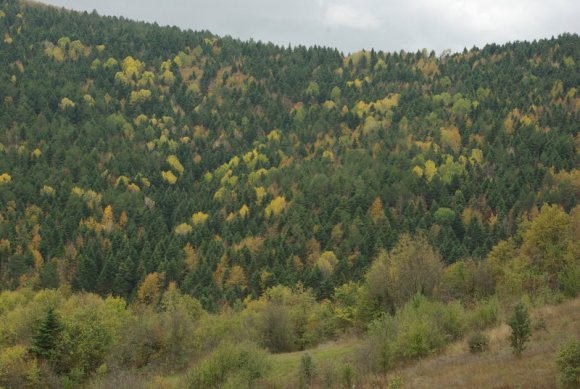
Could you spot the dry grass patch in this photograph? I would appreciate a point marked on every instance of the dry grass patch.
(456, 367)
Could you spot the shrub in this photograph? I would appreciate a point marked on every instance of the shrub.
(348, 376)
(485, 314)
(307, 371)
(235, 366)
(521, 329)
(568, 360)
(17, 369)
(478, 343)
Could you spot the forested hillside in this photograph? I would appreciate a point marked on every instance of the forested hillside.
(229, 167)
(174, 199)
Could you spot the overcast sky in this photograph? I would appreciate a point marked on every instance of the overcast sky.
(351, 25)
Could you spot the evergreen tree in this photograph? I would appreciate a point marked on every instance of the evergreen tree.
(45, 339)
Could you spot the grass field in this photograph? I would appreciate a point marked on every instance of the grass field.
(455, 367)
(498, 368)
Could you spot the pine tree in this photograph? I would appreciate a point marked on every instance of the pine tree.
(46, 336)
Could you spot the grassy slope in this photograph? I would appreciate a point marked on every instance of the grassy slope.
(455, 367)
(498, 367)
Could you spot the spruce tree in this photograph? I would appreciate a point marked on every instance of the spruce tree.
(46, 336)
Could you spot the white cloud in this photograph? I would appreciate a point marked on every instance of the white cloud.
(352, 25)
(349, 16)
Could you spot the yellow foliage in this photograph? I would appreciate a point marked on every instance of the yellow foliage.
(508, 124)
(66, 103)
(418, 170)
(132, 67)
(430, 170)
(276, 207)
(56, 53)
(47, 190)
(140, 96)
(4, 245)
(149, 291)
(183, 229)
(451, 138)
(244, 211)
(260, 193)
(199, 218)
(175, 164)
(237, 277)
(329, 104)
(252, 243)
(169, 177)
(376, 210)
(326, 263)
(89, 100)
(476, 156)
(274, 135)
(469, 213)
(123, 218)
(328, 154)
(168, 78)
(5, 178)
(133, 188)
(108, 220)
(388, 103)
(122, 180)
(17, 368)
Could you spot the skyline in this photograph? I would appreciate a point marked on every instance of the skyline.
(352, 25)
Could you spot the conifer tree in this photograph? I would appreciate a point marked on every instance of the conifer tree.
(46, 336)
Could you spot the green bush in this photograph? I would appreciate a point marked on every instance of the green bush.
(521, 328)
(230, 365)
(569, 280)
(485, 314)
(307, 371)
(478, 343)
(568, 360)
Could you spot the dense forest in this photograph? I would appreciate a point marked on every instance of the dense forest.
(185, 173)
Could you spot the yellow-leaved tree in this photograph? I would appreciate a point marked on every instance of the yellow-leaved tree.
(276, 206)
(169, 177)
(199, 218)
(173, 161)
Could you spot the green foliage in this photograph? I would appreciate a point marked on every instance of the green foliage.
(46, 338)
(307, 371)
(17, 369)
(520, 324)
(568, 360)
(229, 366)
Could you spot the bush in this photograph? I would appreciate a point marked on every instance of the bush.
(568, 360)
(478, 343)
(17, 369)
(307, 371)
(521, 329)
(485, 314)
(230, 365)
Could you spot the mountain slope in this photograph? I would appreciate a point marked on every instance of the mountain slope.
(229, 167)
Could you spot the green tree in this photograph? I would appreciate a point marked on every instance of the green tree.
(520, 324)
(45, 339)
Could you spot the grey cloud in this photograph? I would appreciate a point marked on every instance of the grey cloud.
(351, 25)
